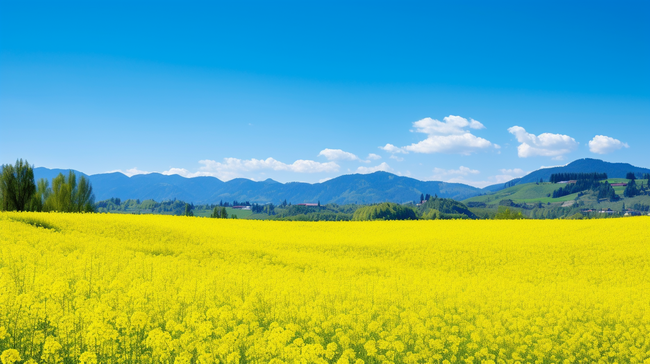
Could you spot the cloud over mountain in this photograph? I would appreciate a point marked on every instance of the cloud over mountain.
(602, 144)
(544, 145)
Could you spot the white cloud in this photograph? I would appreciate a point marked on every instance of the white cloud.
(461, 144)
(373, 156)
(382, 167)
(602, 144)
(448, 136)
(399, 159)
(461, 175)
(440, 173)
(514, 171)
(393, 149)
(545, 145)
(130, 172)
(337, 154)
(233, 167)
(452, 125)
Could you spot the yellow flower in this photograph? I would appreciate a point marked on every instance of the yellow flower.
(10, 356)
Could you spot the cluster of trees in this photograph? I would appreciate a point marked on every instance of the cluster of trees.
(632, 189)
(445, 208)
(385, 211)
(427, 197)
(504, 213)
(234, 203)
(19, 191)
(220, 213)
(559, 177)
(582, 184)
(605, 190)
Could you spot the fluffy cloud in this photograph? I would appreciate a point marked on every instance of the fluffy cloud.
(451, 135)
(462, 174)
(382, 167)
(399, 159)
(545, 145)
(507, 175)
(464, 144)
(373, 156)
(602, 144)
(452, 125)
(393, 149)
(233, 167)
(515, 171)
(337, 154)
(440, 173)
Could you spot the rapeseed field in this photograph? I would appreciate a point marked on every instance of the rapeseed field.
(97, 288)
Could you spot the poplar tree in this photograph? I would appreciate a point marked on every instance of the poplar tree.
(17, 186)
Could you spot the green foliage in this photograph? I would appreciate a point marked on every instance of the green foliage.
(557, 177)
(17, 186)
(188, 210)
(504, 213)
(576, 216)
(432, 214)
(68, 195)
(445, 208)
(220, 213)
(631, 189)
(385, 211)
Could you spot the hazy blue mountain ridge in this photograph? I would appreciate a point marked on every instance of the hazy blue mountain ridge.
(351, 188)
(354, 188)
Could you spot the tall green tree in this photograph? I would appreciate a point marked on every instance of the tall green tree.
(188, 210)
(17, 186)
(216, 213)
(43, 192)
(69, 196)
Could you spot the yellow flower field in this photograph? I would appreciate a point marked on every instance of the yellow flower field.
(96, 288)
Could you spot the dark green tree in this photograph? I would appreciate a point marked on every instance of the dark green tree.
(17, 186)
(188, 210)
(224, 213)
(216, 213)
(631, 190)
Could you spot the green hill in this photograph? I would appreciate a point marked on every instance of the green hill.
(535, 200)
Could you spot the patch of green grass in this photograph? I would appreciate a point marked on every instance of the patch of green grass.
(527, 192)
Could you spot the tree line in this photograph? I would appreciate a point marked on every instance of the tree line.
(20, 192)
(559, 177)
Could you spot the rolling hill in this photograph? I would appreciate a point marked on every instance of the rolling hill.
(586, 165)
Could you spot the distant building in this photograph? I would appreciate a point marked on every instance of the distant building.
(241, 207)
(307, 204)
(632, 213)
(618, 184)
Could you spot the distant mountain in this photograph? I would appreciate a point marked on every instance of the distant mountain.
(353, 188)
(586, 165)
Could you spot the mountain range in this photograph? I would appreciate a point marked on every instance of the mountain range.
(351, 188)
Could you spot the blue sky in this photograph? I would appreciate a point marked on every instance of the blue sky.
(474, 92)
